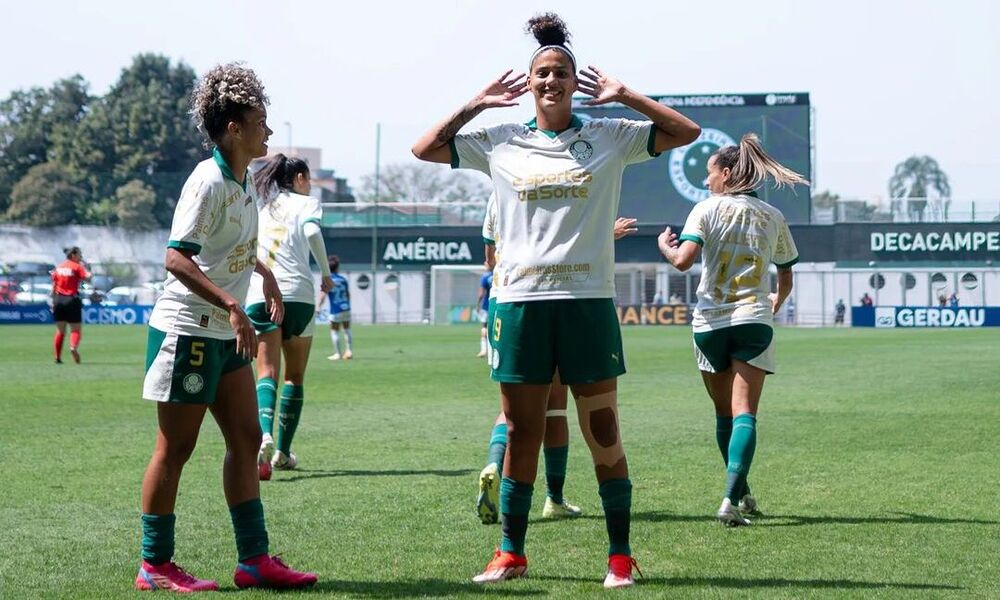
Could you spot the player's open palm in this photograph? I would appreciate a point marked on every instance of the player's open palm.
(503, 91)
(598, 84)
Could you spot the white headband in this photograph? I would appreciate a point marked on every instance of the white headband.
(558, 47)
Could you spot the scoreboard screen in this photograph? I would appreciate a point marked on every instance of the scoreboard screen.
(663, 189)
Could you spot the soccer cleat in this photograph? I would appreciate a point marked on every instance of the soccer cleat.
(59, 361)
(564, 510)
(620, 571)
(488, 502)
(748, 506)
(270, 572)
(76, 355)
(730, 516)
(168, 576)
(482, 354)
(284, 462)
(348, 355)
(334, 356)
(264, 457)
(504, 566)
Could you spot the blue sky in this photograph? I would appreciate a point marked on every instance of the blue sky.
(888, 79)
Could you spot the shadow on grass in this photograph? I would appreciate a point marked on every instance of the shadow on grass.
(902, 519)
(411, 588)
(300, 474)
(789, 520)
(767, 582)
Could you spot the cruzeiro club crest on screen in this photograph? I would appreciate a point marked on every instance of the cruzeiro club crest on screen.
(687, 163)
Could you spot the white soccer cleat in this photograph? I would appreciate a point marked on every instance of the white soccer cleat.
(748, 505)
(264, 456)
(730, 516)
(565, 510)
(334, 356)
(284, 462)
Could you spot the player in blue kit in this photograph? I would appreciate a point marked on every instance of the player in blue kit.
(339, 298)
(485, 285)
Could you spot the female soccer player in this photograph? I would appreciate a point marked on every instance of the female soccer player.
(67, 308)
(737, 236)
(339, 297)
(201, 342)
(557, 180)
(287, 231)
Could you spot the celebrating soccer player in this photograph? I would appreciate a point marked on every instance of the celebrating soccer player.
(557, 180)
(738, 236)
(288, 230)
(201, 342)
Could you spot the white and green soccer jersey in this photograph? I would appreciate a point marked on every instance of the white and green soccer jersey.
(216, 218)
(282, 246)
(491, 236)
(740, 236)
(557, 199)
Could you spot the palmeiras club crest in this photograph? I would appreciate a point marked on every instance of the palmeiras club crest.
(687, 164)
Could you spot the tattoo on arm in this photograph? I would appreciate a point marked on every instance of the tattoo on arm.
(457, 121)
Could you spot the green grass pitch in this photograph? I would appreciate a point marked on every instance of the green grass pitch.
(876, 468)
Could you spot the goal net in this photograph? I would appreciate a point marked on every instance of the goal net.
(454, 289)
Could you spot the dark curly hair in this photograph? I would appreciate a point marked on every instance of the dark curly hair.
(548, 29)
(226, 93)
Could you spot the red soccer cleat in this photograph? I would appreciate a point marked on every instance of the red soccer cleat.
(504, 566)
(620, 571)
(270, 572)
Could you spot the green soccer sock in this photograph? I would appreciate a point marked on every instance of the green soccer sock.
(248, 525)
(498, 445)
(266, 399)
(515, 503)
(555, 472)
(741, 450)
(723, 432)
(616, 497)
(288, 420)
(157, 538)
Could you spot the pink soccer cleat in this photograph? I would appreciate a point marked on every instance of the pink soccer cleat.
(168, 576)
(270, 572)
(504, 566)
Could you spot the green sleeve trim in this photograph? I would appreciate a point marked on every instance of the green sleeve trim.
(488, 241)
(312, 220)
(787, 265)
(196, 248)
(651, 143)
(687, 237)
(454, 153)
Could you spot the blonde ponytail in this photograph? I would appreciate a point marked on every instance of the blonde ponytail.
(749, 165)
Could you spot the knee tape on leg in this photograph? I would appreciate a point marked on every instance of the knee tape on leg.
(555, 413)
(603, 455)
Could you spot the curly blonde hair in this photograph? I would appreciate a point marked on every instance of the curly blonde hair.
(224, 94)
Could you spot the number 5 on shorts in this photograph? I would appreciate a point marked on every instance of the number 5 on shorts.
(496, 328)
(197, 354)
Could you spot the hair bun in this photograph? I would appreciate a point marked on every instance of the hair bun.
(548, 29)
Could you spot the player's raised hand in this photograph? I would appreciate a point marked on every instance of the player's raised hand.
(602, 87)
(624, 226)
(503, 91)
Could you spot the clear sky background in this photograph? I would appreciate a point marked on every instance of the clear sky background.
(888, 78)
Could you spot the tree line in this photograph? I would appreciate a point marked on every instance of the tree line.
(70, 157)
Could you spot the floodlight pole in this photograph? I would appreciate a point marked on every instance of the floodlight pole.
(378, 145)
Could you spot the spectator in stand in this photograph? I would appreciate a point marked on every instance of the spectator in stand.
(942, 301)
(675, 299)
(953, 300)
(866, 300)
